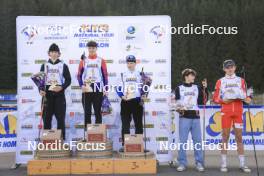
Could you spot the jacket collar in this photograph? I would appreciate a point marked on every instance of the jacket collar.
(187, 84)
(57, 61)
(230, 77)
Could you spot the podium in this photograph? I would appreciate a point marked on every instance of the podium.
(113, 165)
(92, 166)
(49, 167)
(135, 166)
(97, 161)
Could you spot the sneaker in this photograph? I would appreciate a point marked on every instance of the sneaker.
(121, 149)
(223, 169)
(181, 168)
(245, 169)
(173, 163)
(199, 167)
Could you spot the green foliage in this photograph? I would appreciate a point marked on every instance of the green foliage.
(204, 53)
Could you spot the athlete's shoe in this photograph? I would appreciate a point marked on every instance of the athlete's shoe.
(199, 167)
(181, 168)
(223, 169)
(121, 149)
(245, 169)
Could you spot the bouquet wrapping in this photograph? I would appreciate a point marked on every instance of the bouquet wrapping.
(106, 106)
(39, 79)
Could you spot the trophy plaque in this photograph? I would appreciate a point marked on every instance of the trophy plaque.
(231, 94)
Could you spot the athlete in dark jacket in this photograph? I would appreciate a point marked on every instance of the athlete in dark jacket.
(58, 78)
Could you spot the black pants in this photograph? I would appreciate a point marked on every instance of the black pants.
(55, 105)
(94, 99)
(131, 109)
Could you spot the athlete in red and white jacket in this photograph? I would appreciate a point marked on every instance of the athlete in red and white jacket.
(93, 79)
(230, 93)
(230, 83)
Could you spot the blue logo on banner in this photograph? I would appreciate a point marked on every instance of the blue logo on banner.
(8, 127)
(131, 29)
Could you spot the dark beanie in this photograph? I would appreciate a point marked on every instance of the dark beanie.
(54, 47)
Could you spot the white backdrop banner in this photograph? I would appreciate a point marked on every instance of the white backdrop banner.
(146, 37)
